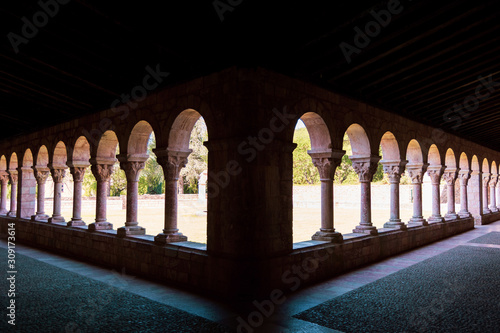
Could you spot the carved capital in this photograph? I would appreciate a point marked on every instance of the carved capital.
(365, 168)
(435, 173)
(41, 175)
(394, 170)
(486, 179)
(132, 169)
(4, 177)
(172, 162)
(57, 174)
(416, 172)
(450, 176)
(102, 172)
(464, 177)
(13, 176)
(77, 173)
(326, 162)
(493, 181)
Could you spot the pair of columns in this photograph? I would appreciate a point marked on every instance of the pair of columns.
(489, 181)
(41, 174)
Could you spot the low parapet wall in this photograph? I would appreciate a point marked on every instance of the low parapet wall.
(190, 265)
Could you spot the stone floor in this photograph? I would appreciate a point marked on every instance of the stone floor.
(248, 318)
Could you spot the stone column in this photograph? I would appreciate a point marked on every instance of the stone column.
(327, 162)
(416, 173)
(450, 176)
(394, 169)
(102, 172)
(58, 174)
(172, 162)
(435, 173)
(497, 196)
(13, 193)
(132, 170)
(464, 179)
(41, 174)
(4, 179)
(77, 172)
(365, 167)
(493, 200)
(486, 180)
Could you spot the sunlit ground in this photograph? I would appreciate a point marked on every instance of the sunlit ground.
(193, 223)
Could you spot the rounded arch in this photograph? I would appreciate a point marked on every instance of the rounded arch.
(42, 158)
(493, 168)
(81, 151)
(464, 162)
(486, 166)
(28, 158)
(139, 138)
(3, 163)
(60, 155)
(359, 141)
(180, 131)
(390, 147)
(475, 164)
(318, 131)
(450, 160)
(106, 148)
(13, 162)
(433, 157)
(414, 153)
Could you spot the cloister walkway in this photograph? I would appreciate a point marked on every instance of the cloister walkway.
(192, 312)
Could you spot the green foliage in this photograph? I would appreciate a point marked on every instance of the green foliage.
(151, 179)
(118, 181)
(197, 160)
(89, 184)
(304, 171)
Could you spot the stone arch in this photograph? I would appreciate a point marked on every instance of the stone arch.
(475, 164)
(464, 162)
(433, 156)
(60, 155)
(13, 162)
(81, 151)
(414, 153)
(450, 161)
(181, 129)
(486, 166)
(318, 131)
(3, 163)
(493, 168)
(359, 141)
(390, 147)
(138, 140)
(27, 159)
(106, 149)
(42, 158)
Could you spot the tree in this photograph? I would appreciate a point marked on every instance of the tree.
(151, 180)
(304, 171)
(118, 181)
(197, 160)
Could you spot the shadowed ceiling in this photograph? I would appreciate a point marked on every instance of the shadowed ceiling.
(436, 62)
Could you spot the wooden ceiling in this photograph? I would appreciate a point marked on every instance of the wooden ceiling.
(430, 59)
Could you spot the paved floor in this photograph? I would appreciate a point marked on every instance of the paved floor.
(280, 318)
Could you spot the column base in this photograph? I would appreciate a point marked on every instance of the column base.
(4, 212)
(395, 224)
(76, 223)
(417, 222)
(170, 238)
(464, 215)
(494, 209)
(12, 214)
(56, 219)
(100, 226)
(486, 211)
(435, 219)
(451, 216)
(328, 236)
(365, 229)
(130, 231)
(39, 217)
